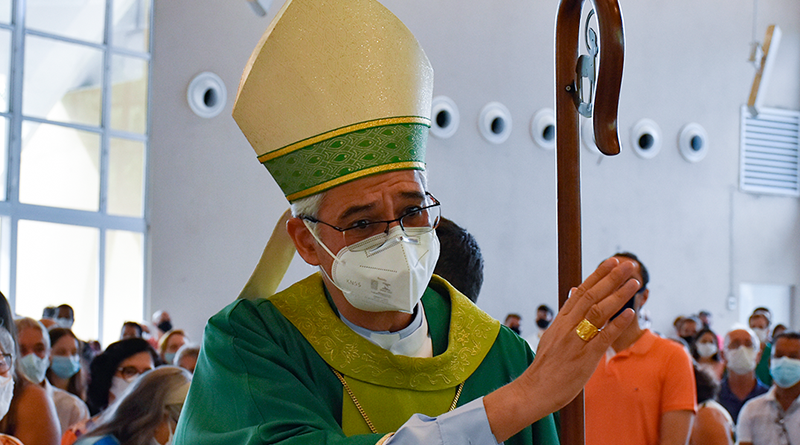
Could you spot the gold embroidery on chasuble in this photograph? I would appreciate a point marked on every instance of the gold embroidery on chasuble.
(389, 387)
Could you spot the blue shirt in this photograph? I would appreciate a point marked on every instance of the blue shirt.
(732, 403)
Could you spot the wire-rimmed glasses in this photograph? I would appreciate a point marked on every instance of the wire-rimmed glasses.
(413, 223)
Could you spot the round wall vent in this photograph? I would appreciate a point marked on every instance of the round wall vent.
(495, 122)
(206, 95)
(444, 117)
(543, 128)
(646, 138)
(693, 142)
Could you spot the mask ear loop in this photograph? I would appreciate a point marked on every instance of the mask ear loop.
(322, 269)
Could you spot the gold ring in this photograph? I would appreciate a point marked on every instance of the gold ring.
(586, 330)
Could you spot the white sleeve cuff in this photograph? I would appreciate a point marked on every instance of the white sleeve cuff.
(465, 424)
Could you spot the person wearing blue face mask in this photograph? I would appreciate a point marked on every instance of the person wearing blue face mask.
(169, 344)
(34, 346)
(65, 371)
(774, 418)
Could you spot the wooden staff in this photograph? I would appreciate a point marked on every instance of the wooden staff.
(609, 80)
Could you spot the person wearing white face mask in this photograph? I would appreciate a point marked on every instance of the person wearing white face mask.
(34, 346)
(6, 381)
(741, 353)
(113, 372)
(146, 414)
(336, 101)
(705, 351)
(774, 418)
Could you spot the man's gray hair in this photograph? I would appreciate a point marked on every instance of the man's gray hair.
(742, 327)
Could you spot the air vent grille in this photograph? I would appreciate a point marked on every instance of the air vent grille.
(769, 162)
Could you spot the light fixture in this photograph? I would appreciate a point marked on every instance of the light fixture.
(693, 142)
(494, 122)
(646, 138)
(206, 95)
(444, 117)
(543, 128)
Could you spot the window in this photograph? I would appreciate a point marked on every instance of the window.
(73, 149)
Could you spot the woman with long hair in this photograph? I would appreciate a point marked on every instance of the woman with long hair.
(31, 417)
(147, 412)
(705, 350)
(118, 367)
(65, 371)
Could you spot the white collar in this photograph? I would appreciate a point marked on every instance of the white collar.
(413, 340)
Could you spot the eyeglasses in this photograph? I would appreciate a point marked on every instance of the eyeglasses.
(131, 372)
(414, 222)
(7, 363)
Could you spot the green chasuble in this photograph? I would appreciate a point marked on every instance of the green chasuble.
(264, 374)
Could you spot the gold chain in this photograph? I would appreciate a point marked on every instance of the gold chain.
(364, 413)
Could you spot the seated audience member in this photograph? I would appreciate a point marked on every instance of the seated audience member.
(66, 368)
(460, 261)
(130, 329)
(759, 323)
(705, 319)
(774, 418)
(713, 424)
(741, 352)
(544, 316)
(31, 416)
(112, 372)
(146, 414)
(706, 353)
(688, 330)
(779, 329)
(7, 381)
(186, 357)
(162, 322)
(643, 391)
(65, 316)
(169, 344)
(513, 322)
(34, 347)
(676, 326)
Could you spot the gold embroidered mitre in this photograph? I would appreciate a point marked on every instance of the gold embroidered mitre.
(335, 90)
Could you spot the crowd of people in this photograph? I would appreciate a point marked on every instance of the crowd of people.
(692, 385)
(57, 389)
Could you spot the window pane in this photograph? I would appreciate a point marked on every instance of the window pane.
(59, 167)
(126, 178)
(129, 94)
(3, 157)
(124, 285)
(5, 11)
(132, 25)
(58, 264)
(5, 63)
(62, 81)
(77, 19)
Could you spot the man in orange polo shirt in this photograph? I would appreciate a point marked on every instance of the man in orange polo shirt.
(643, 392)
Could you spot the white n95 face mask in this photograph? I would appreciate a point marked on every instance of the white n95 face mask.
(6, 394)
(741, 360)
(387, 272)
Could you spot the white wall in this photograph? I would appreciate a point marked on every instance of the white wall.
(212, 206)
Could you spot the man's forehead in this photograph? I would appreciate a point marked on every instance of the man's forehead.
(787, 346)
(739, 334)
(373, 190)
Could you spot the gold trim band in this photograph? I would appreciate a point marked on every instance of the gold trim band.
(586, 330)
(355, 175)
(340, 131)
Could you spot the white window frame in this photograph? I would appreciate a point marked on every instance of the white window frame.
(12, 211)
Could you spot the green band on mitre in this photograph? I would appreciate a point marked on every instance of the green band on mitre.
(345, 157)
